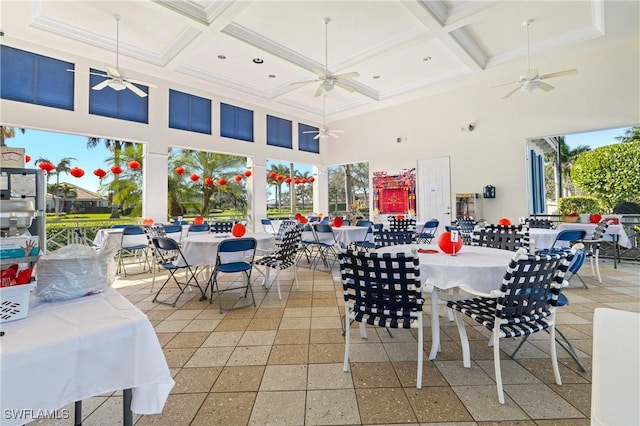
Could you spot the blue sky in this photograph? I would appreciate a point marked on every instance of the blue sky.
(55, 146)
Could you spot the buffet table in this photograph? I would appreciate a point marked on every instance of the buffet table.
(68, 351)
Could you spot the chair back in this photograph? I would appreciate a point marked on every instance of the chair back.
(267, 226)
(167, 250)
(576, 263)
(568, 236)
(402, 224)
(222, 227)
(134, 237)
(173, 231)
(505, 237)
(615, 390)
(285, 225)
(383, 289)
(324, 234)
(325, 220)
(530, 287)
(203, 227)
(392, 237)
(430, 227)
(290, 243)
(533, 222)
(121, 225)
(236, 253)
(600, 230)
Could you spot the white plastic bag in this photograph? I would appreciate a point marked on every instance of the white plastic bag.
(74, 271)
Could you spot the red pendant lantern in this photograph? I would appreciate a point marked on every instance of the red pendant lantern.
(504, 222)
(134, 165)
(46, 166)
(312, 179)
(273, 175)
(238, 178)
(247, 173)
(100, 173)
(208, 181)
(116, 170)
(296, 181)
(238, 230)
(303, 181)
(27, 158)
(288, 180)
(198, 220)
(76, 172)
(279, 178)
(179, 170)
(222, 181)
(194, 177)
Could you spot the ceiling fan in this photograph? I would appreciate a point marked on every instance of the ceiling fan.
(327, 79)
(532, 80)
(115, 78)
(324, 132)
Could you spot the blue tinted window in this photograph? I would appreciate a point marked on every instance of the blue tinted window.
(236, 122)
(36, 79)
(279, 132)
(306, 141)
(121, 104)
(189, 112)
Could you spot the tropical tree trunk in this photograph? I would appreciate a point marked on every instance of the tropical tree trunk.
(348, 187)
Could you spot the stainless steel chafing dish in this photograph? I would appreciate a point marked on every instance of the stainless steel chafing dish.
(16, 214)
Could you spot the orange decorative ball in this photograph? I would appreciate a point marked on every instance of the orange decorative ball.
(595, 218)
(337, 222)
(238, 230)
(198, 220)
(400, 217)
(504, 221)
(303, 219)
(448, 246)
(147, 222)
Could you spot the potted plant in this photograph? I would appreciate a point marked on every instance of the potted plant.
(574, 207)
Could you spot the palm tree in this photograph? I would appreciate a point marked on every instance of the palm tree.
(62, 167)
(7, 132)
(568, 156)
(67, 191)
(279, 169)
(632, 134)
(116, 147)
(127, 187)
(305, 191)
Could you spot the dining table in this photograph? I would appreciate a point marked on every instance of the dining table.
(67, 351)
(476, 268)
(201, 249)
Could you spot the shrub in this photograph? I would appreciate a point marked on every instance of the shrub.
(578, 204)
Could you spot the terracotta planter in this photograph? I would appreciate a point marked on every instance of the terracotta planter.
(570, 219)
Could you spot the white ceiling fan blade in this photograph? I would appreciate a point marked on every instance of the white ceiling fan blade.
(333, 135)
(511, 92)
(337, 131)
(559, 74)
(318, 136)
(544, 86)
(134, 89)
(344, 86)
(505, 84)
(114, 72)
(304, 82)
(320, 73)
(102, 84)
(346, 75)
(318, 92)
(311, 131)
(142, 83)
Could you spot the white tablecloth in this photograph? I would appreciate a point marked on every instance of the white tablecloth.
(477, 268)
(349, 234)
(69, 351)
(201, 249)
(545, 237)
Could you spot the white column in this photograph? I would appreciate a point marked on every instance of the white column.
(256, 193)
(155, 185)
(321, 190)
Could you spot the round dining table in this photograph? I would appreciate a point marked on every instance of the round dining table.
(201, 249)
(476, 268)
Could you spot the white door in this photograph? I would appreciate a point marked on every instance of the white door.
(434, 191)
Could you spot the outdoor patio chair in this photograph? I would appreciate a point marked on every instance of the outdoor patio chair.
(222, 227)
(368, 241)
(325, 245)
(533, 222)
(392, 237)
(402, 224)
(428, 232)
(133, 246)
(503, 237)
(283, 258)
(525, 304)
(195, 228)
(382, 290)
(170, 258)
(592, 246)
(267, 226)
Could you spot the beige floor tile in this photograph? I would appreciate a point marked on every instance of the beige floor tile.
(225, 408)
(326, 336)
(210, 357)
(374, 375)
(279, 408)
(456, 375)
(384, 405)
(239, 379)
(326, 322)
(180, 409)
(329, 376)
(249, 355)
(178, 357)
(577, 394)
(321, 353)
(325, 311)
(332, 407)
(171, 326)
(540, 402)
(295, 323)
(372, 352)
(303, 312)
(512, 372)
(184, 314)
(223, 338)
(233, 324)
(264, 324)
(407, 372)
(292, 337)
(284, 377)
(194, 380)
(482, 402)
(289, 354)
(201, 325)
(187, 340)
(257, 338)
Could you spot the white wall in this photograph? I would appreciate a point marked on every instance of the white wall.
(604, 94)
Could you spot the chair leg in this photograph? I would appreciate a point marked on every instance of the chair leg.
(554, 354)
(496, 363)
(464, 339)
(567, 346)
(596, 259)
(522, 341)
(420, 353)
(347, 341)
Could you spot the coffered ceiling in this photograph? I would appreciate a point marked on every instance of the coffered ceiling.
(255, 50)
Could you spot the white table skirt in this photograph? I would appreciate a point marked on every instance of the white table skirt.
(69, 351)
(201, 249)
(477, 268)
(617, 230)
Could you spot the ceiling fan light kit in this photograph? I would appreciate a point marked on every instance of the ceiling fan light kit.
(532, 80)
